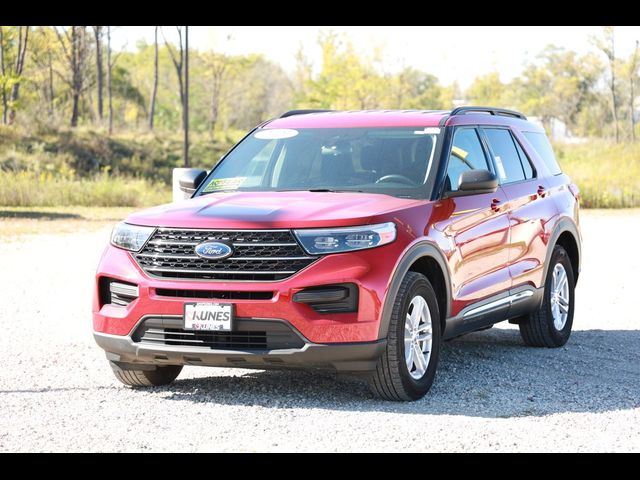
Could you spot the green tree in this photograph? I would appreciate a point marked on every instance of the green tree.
(415, 89)
(488, 90)
(558, 84)
(606, 44)
(13, 48)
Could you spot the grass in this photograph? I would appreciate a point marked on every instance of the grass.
(88, 167)
(18, 221)
(85, 152)
(84, 167)
(608, 174)
(28, 189)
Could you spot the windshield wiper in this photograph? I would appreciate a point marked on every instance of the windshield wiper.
(320, 190)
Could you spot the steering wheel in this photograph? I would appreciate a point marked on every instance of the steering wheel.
(396, 178)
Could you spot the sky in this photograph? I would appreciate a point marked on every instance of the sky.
(451, 53)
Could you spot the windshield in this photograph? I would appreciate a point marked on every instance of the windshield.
(394, 161)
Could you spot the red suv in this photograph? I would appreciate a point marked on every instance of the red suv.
(352, 241)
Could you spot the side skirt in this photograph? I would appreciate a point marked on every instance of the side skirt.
(512, 303)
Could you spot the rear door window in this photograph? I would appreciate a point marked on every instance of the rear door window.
(505, 155)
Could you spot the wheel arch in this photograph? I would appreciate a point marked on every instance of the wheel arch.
(426, 258)
(567, 235)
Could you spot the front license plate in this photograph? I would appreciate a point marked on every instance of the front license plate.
(216, 317)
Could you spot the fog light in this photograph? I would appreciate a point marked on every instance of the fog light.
(341, 298)
(116, 292)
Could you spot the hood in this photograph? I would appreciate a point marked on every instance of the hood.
(272, 210)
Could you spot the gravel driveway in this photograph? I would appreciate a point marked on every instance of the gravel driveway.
(491, 393)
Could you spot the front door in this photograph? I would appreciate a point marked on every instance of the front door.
(476, 227)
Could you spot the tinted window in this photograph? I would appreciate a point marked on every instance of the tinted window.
(541, 144)
(466, 154)
(507, 160)
(526, 163)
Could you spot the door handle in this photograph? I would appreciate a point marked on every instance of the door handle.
(541, 191)
(495, 204)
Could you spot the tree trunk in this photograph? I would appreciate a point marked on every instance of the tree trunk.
(181, 64)
(217, 78)
(109, 91)
(185, 110)
(76, 55)
(214, 112)
(614, 100)
(22, 50)
(632, 74)
(154, 92)
(76, 79)
(15, 94)
(51, 93)
(99, 71)
(2, 71)
(74, 110)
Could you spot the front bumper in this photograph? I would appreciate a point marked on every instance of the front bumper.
(343, 357)
(369, 270)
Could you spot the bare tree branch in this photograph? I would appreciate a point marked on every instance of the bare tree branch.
(62, 44)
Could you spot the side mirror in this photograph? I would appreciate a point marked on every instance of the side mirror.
(475, 182)
(191, 180)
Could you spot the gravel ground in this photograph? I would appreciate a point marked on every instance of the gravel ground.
(491, 393)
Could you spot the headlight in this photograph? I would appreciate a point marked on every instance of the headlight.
(337, 240)
(130, 237)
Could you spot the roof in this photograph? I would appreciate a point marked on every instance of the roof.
(393, 118)
(361, 118)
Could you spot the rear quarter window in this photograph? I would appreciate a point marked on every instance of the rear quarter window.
(542, 146)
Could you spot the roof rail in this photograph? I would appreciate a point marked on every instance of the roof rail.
(489, 110)
(291, 113)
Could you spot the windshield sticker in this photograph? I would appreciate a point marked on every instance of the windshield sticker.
(218, 184)
(275, 133)
(428, 131)
(501, 171)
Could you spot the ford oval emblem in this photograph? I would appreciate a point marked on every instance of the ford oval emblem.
(214, 250)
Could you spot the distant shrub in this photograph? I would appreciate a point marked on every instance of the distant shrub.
(27, 189)
(608, 174)
(85, 153)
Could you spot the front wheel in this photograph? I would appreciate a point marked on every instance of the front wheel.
(407, 368)
(149, 376)
(550, 325)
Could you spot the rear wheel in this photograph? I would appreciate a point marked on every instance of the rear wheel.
(407, 368)
(150, 376)
(550, 325)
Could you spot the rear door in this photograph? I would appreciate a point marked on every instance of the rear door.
(528, 206)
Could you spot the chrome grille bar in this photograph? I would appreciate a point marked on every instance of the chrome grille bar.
(259, 255)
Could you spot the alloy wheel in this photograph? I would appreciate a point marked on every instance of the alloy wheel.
(418, 337)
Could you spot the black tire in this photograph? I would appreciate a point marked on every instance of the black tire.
(538, 329)
(391, 379)
(153, 377)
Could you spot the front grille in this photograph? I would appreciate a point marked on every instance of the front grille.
(214, 294)
(214, 340)
(248, 334)
(258, 255)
